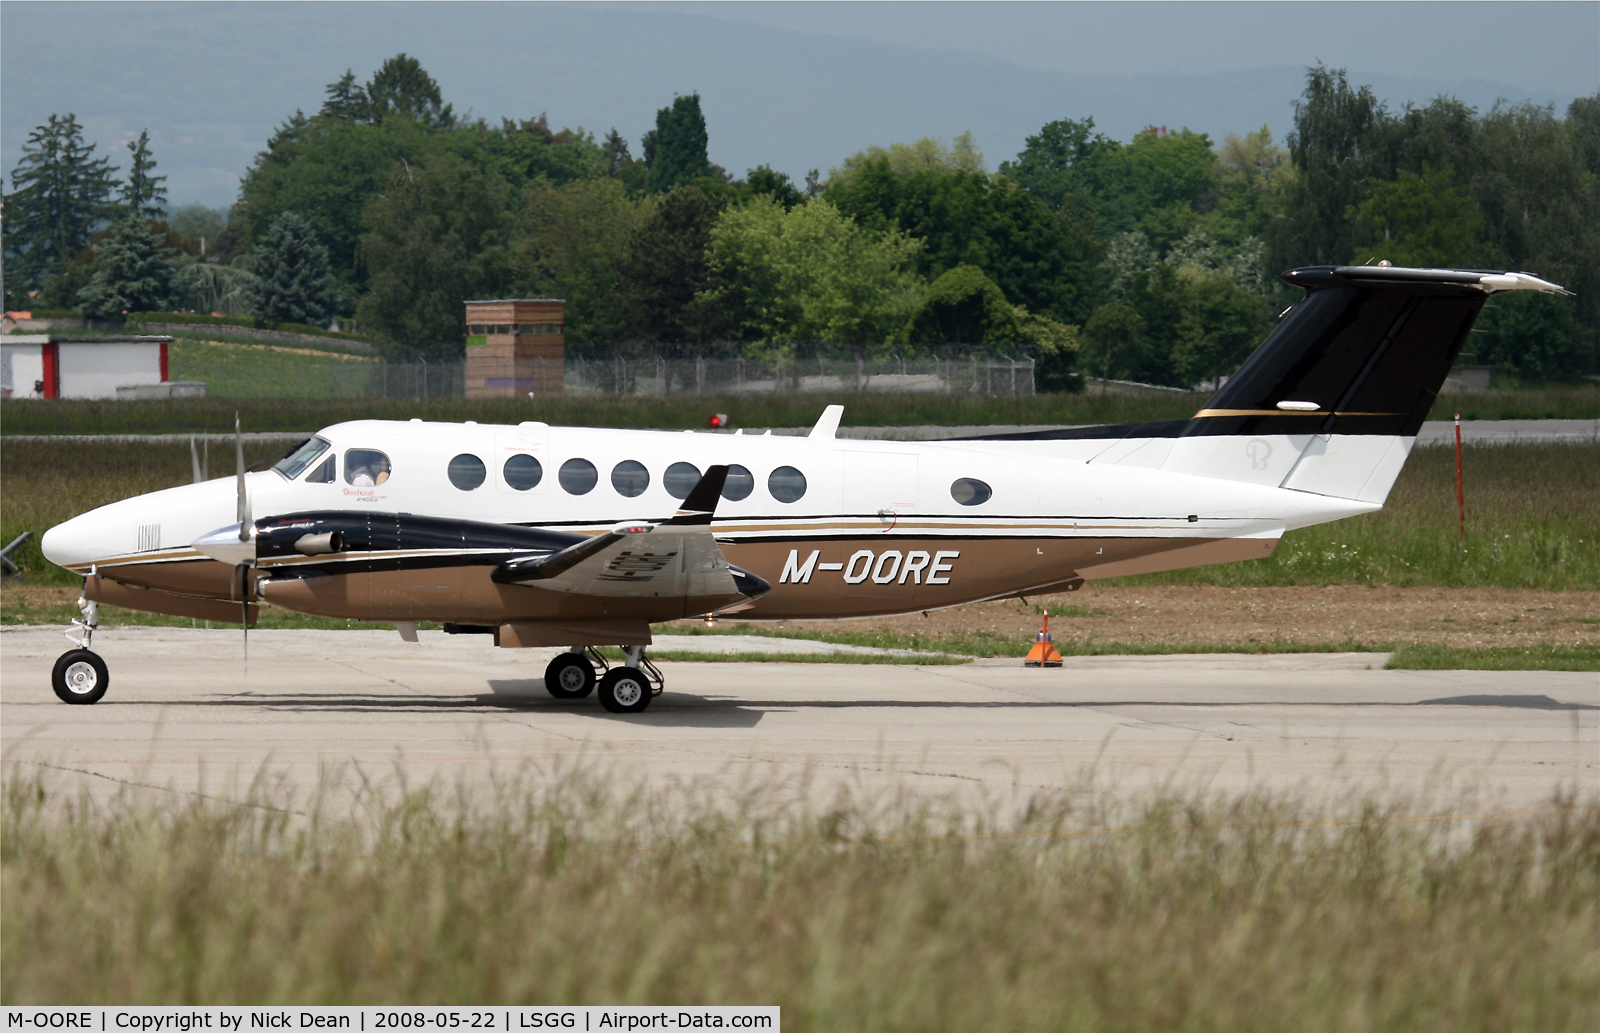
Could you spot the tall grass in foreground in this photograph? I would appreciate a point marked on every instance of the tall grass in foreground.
(875, 911)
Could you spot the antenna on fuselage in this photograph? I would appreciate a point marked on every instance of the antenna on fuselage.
(828, 424)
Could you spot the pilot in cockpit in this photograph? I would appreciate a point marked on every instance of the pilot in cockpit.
(365, 468)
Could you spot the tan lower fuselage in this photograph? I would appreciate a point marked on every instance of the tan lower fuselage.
(836, 578)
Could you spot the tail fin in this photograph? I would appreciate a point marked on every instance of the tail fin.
(1332, 400)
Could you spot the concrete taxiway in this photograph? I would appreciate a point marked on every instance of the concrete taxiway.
(183, 714)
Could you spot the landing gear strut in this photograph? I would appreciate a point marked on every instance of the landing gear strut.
(80, 676)
(630, 688)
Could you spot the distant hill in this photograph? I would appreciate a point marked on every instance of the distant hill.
(211, 81)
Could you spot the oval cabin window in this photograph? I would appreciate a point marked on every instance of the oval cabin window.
(680, 479)
(630, 478)
(969, 491)
(739, 484)
(578, 476)
(522, 472)
(786, 484)
(467, 471)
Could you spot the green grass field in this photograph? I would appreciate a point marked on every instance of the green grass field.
(1496, 658)
(285, 374)
(1533, 521)
(257, 371)
(1078, 909)
(675, 412)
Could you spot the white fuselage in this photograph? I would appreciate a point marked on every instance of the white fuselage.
(859, 497)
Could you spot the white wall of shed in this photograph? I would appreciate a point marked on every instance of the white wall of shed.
(21, 366)
(97, 370)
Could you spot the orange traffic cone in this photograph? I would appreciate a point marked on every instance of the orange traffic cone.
(1043, 654)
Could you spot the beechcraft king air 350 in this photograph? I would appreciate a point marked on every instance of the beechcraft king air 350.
(576, 538)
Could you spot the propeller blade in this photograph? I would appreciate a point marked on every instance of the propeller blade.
(244, 610)
(194, 457)
(244, 498)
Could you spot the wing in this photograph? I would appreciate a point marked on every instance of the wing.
(677, 557)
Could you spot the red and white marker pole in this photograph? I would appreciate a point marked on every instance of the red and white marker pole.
(1461, 494)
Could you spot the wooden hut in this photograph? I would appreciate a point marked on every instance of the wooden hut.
(515, 346)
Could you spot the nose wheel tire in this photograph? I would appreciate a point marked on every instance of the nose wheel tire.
(625, 690)
(569, 676)
(80, 677)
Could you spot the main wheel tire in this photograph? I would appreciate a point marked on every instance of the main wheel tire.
(80, 677)
(569, 676)
(624, 690)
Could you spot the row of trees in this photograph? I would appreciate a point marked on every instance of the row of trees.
(77, 237)
(1153, 259)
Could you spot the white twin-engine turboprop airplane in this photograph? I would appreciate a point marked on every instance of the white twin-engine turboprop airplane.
(552, 536)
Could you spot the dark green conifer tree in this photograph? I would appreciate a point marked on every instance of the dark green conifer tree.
(143, 194)
(133, 271)
(61, 191)
(347, 101)
(294, 282)
(676, 153)
(402, 87)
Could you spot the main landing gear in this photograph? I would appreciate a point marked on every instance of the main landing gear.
(623, 690)
(80, 676)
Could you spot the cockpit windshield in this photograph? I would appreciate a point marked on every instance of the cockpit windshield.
(302, 457)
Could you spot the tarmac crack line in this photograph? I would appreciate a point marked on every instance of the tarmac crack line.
(498, 716)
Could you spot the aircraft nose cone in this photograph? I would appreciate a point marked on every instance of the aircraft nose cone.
(224, 546)
(68, 544)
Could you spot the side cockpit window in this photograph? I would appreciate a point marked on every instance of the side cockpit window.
(303, 456)
(365, 467)
(323, 474)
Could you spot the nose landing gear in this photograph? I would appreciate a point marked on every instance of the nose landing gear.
(80, 676)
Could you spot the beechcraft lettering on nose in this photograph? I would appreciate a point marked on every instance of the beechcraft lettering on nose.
(577, 538)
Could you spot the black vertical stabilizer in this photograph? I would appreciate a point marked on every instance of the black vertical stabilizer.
(1365, 352)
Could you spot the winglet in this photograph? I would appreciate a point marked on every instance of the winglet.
(828, 425)
(701, 502)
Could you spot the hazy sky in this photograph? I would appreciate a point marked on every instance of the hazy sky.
(1539, 47)
(793, 85)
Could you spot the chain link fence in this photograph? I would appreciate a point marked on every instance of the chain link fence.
(269, 374)
(248, 373)
(739, 376)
